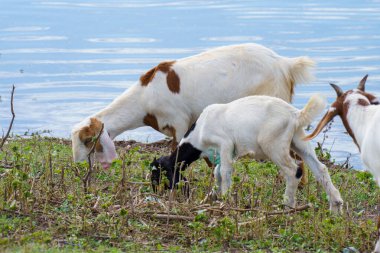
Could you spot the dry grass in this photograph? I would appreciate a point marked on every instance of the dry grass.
(43, 205)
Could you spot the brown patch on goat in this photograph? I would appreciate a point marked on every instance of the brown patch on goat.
(151, 120)
(148, 76)
(363, 102)
(173, 81)
(165, 66)
(172, 132)
(342, 111)
(88, 133)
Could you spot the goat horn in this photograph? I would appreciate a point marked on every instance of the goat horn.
(338, 90)
(361, 85)
(326, 119)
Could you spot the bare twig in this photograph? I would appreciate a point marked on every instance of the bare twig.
(137, 183)
(123, 173)
(11, 123)
(51, 169)
(294, 210)
(6, 166)
(252, 221)
(166, 217)
(87, 177)
(173, 187)
(96, 203)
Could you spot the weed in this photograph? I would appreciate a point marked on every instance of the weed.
(44, 205)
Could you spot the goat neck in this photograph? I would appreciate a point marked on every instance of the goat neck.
(124, 113)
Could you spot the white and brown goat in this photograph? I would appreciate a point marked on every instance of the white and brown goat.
(260, 126)
(171, 96)
(360, 115)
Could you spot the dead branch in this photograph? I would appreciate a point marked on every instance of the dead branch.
(6, 166)
(11, 123)
(172, 217)
(224, 208)
(251, 221)
(123, 173)
(294, 210)
(87, 177)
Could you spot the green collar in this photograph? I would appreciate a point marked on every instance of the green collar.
(214, 156)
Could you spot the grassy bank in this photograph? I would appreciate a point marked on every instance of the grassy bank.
(47, 205)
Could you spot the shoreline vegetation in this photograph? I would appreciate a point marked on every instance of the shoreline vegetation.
(47, 206)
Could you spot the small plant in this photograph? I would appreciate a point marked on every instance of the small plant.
(43, 201)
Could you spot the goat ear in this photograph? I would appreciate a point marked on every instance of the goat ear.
(154, 159)
(338, 90)
(361, 85)
(324, 121)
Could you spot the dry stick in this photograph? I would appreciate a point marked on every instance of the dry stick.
(137, 183)
(86, 179)
(51, 169)
(11, 123)
(171, 190)
(123, 179)
(172, 217)
(62, 176)
(297, 209)
(123, 172)
(218, 209)
(132, 202)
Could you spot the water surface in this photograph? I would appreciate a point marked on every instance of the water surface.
(69, 59)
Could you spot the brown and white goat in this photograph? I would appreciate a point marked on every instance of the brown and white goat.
(171, 96)
(260, 126)
(360, 115)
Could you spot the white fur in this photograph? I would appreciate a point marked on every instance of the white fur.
(377, 247)
(365, 124)
(266, 127)
(219, 75)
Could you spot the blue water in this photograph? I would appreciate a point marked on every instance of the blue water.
(69, 59)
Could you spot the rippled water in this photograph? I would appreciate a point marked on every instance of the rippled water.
(68, 59)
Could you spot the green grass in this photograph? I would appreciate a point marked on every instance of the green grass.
(44, 207)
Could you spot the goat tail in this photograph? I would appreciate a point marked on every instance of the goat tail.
(301, 69)
(312, 109)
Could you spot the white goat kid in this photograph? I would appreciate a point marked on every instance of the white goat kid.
(262, 126)
(171, 96)
(360, 114)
